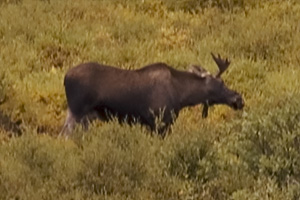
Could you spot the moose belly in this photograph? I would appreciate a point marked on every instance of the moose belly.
(122, 115)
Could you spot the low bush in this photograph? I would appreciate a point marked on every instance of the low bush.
(248, 154)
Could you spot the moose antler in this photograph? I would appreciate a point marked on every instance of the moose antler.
(222, 64)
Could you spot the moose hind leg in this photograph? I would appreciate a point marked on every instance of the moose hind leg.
(87, 119)
(69, 124)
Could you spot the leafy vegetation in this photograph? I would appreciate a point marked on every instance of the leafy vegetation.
(249, 154)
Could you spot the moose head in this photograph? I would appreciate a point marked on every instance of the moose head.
(218, 92)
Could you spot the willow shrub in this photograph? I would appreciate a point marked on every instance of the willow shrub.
(249, 154)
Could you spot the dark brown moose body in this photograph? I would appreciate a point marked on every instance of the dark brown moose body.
(154, 91)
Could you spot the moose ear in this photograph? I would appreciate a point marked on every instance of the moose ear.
(199, 71)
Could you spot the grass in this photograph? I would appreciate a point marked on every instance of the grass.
(249, 154)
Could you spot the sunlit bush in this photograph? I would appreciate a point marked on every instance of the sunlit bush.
(249, 154)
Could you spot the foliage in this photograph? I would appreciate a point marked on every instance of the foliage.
(249, 154)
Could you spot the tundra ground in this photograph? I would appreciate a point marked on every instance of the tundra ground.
(250, 154)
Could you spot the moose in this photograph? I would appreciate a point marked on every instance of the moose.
(143, 95)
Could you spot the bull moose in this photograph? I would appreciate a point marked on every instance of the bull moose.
(143, 95)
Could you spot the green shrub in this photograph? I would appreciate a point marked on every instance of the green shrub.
(263, 189)
(30, 169)
(269, 144)
(195, 5)
(248, 154)
(194, 161)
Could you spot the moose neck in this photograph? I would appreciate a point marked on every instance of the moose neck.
(193, 91)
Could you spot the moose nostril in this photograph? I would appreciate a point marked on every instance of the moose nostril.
(239, 102)
(239, 99)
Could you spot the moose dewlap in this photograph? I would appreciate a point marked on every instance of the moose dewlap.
(142, 95)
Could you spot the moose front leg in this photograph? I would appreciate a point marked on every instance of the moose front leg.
(205, 110)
